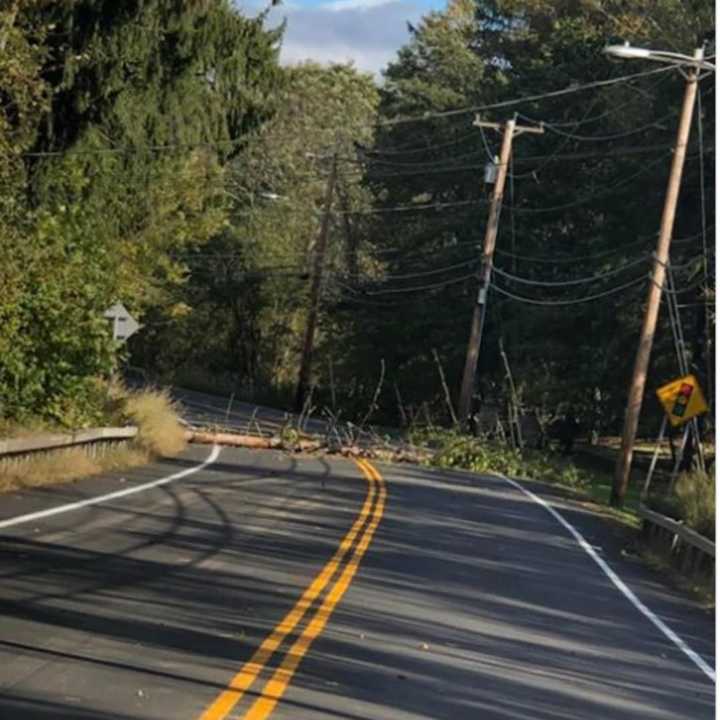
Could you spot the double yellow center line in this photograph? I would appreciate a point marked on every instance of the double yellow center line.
(273, 690)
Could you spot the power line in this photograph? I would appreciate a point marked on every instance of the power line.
(620, 152)
(574, 124)
(686, 289)
(373, 303)
(607, 138)
(412, 208)
(443, 205)
(519, 101)
(390, 122)
(587, 120)
(417, 164)
(594, 196)
(425, 273)
(563, 143)
(570, 136)
(432, 251)
(397, 150)
(594, 256)
(687, 264)
(191, 257)
(294, 271)
(433, 286)
(568, 283)
(703, 210)
(577, 301)
(130, 149)
(490, 155)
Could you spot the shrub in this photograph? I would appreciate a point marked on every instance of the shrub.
(695, 492)
(159, 428)
(453, 450)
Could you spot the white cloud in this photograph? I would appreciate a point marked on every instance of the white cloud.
(366, 60)
(366, 32)
(340, 5)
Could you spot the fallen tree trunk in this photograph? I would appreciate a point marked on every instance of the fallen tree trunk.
(234, 440)
(254, 442)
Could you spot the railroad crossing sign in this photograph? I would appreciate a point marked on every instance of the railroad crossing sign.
(682, 399)
(123, 323)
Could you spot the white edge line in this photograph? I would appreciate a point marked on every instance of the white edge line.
(619, 584)
(20, 519)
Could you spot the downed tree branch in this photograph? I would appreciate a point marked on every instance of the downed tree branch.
(373, 404)
(233, 440)
(349, 450)
(446, 389)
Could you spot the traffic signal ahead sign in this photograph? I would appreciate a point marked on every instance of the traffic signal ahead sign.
(682, 399)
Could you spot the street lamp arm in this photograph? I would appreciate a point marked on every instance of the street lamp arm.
(680, 58)
(627, 52)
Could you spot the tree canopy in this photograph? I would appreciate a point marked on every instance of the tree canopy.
(157, 154)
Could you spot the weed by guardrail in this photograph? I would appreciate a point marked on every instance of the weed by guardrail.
(692, 501)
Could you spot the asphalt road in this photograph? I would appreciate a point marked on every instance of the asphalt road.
(451, 596)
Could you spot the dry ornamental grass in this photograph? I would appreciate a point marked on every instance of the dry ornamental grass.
(156, 417)
(66, 465)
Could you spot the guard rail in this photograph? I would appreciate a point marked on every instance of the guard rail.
(93, 439)
(693, 554)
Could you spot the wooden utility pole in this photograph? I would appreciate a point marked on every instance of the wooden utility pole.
(657, 282)
(478, 319)
(315, 287)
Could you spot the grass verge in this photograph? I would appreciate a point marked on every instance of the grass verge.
(160, 434)
(65, 466)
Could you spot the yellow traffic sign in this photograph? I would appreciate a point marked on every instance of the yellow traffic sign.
(682, 399)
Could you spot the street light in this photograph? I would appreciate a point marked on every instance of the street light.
(696, 63)
(628, 52)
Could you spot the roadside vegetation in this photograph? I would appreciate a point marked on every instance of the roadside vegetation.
(692, 500)
(160, 434)
(456, 450)
(65, 466)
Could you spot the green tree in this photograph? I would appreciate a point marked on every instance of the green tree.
(118, 120)
(250, 282)
(573, 194)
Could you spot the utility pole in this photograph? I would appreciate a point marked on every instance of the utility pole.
(315, 287)
(478, 319)
(657, 282)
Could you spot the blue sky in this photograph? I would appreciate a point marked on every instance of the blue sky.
(368, 32)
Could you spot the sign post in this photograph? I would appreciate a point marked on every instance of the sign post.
(683, 401)
(656, 453)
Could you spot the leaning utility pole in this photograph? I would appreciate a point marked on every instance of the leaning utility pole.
(478, 319)
(657, 282)
(315, 287)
